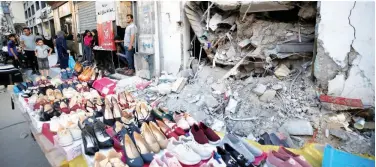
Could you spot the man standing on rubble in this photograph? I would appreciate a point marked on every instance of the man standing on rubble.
(129, 44)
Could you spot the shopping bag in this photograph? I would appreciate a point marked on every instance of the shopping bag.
(71, 62)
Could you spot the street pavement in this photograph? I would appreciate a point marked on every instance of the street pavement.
(17, 151)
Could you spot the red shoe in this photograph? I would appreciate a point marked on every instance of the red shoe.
(298, 158)
(210, 134)
(199, 135)
(167, 130)
(178, 130)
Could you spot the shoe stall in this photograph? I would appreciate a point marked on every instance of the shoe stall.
(78, 119)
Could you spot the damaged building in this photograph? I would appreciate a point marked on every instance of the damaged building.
(254, 67)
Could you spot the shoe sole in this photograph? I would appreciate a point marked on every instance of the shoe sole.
(216, 143)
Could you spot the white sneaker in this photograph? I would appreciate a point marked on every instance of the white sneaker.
(63, 119)
(201, 149)
(64, 138)
(54, 124)
(74, 130)
(183, 152)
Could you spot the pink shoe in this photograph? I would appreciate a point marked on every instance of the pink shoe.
(180, 121)
(298, 158)
(170, 160)
(276, 159)
(157, 163)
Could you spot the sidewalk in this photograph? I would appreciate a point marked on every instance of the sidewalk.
(17, 151)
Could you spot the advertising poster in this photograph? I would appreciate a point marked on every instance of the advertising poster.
(106, 35)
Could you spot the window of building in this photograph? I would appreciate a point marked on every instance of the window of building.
(43, 4)
(37, 5)
(25, 5)
(29, 12)
(32, 10)
(26, 14)
(33, 20)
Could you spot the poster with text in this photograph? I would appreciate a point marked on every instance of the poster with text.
(105, 10)
(106, 35)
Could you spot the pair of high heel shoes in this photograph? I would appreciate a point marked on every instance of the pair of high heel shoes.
(142, 113)
(48, 112)
(96, 106)
(124, 99)
(94, 136)
(112, 111)
(141, 148)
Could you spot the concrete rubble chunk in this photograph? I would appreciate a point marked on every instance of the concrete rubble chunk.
(341, 134)
(295, 48)
(210, 101)
(260, 89)
(268, 95)
(213, 23)
(219, 87)
(227, 5)
(277, 87)
(231, 52)
(307, 12)
(188, 73)
(336, 85)
(264, 6)
(229, 20)
(282, 71)
(298, 127)
(232, 106)
(178, 85)
(244, 43)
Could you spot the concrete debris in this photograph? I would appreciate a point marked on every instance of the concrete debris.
(260, 89)
(213, 23)
(340, 103)
(326, 133)
(229, 21)
(336, 85)
(163, 88)
(227, 5)
(268, 95)
(369, 125)
(188, 73)
(178, 85)
(307, 12)
(231, 52)
(167, 78)
(282, 71)
(219, 87)
(210, 101)
(195, 99)
(244, 43)
(218, 125)
(298, 127)
(277, 87)
(232, 106)
(341, 134)
(295, 48)
(264, 6)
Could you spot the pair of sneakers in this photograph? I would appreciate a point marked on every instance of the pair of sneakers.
(184, 120)
(188, 151)
(286, 158)
(66, 136)
(167, 160)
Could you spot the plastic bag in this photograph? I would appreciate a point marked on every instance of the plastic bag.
(71, 62)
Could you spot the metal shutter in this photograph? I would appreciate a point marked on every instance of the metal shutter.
(87, 16)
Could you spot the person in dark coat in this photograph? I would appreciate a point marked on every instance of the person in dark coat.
(61, 46)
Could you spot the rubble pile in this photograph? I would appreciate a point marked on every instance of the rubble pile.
(230, 31)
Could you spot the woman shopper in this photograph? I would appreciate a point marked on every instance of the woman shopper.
(61, 46)
(94, 42)
(88, 40)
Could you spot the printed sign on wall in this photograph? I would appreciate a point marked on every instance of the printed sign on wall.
(105, 10)
(106, 35)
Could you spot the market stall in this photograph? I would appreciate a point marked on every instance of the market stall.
(79, 119)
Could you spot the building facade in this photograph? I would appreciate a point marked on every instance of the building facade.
(39, 18)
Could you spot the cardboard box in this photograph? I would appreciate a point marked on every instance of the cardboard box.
(71, 151)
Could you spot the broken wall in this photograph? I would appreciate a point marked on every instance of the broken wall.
(344, 63)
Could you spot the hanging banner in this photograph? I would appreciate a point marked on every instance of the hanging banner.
(105, 10)
(106, 35)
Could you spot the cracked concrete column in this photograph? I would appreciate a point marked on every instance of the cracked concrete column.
(344, 63)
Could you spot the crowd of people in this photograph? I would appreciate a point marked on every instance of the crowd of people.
(35, 52)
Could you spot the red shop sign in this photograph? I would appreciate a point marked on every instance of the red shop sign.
(106, 35)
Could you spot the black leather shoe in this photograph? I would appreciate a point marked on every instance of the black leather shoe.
(89, 141)
(226, 156)
(104, 140)
(240, 159)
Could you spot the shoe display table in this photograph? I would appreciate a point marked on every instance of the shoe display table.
(56, 156)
